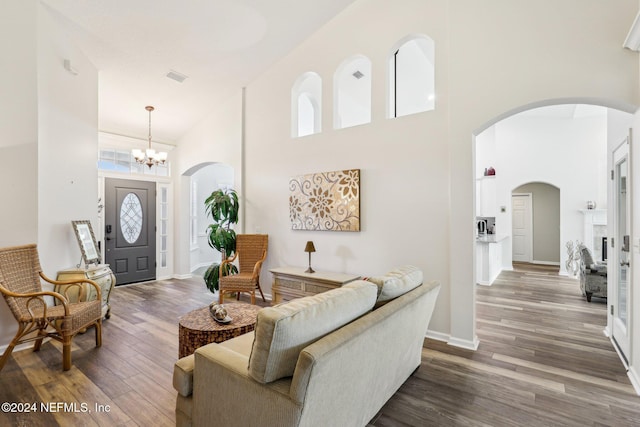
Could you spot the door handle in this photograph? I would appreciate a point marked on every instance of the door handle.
(624, 263)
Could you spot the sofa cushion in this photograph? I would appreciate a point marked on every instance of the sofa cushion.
(396, 282)
(283, 331)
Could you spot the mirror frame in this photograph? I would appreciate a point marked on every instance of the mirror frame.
(86, 241)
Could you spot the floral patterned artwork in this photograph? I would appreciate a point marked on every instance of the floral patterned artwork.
(325, 201)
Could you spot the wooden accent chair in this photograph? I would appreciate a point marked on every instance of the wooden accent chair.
(251, 250)
(20, 284)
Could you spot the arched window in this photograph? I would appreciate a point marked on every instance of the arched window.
(352, 92)
(411, 76)
(306, 105)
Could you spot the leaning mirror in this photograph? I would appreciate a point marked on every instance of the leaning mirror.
(87, 242)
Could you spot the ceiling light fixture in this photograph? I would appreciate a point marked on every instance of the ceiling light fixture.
(149, 157)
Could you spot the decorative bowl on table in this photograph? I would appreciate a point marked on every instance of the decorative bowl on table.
(219, 313)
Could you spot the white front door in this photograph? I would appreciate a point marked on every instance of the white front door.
(619, 289)
(522, 229)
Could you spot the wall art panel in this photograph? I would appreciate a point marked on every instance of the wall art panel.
(325, 201)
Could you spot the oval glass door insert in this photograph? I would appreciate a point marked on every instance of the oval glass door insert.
(131, 217)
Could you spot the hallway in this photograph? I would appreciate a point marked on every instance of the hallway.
(543, 360)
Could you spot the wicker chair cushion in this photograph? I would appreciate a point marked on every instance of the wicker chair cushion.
(238, 282)
(80, 316)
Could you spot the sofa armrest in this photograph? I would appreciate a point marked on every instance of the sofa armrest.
(600, 269)
(224, 394)
(183, 376)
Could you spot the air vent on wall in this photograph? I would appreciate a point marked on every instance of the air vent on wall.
(174, 75)
(358, 75)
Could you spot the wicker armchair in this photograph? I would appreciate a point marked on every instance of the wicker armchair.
(20, 284)
(251, 250)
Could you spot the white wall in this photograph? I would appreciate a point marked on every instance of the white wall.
(513, 65)
(48, 140)
(403, 162)
(217, 138)
(417, 171)
(67, 145)
(18, 122)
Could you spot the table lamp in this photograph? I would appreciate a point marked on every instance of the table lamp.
(309, 248)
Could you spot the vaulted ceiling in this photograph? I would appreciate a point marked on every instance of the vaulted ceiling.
(219, 45)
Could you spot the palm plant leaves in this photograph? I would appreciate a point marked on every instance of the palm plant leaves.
(222, 206)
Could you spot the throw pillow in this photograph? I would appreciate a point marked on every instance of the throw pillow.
(396, 282)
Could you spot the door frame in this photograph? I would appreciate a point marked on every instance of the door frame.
(623, 349)
(529, 220)
(162, 272)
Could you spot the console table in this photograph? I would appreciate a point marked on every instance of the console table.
(292, 282)
(101, 274)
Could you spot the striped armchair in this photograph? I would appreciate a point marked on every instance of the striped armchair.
(593, 276)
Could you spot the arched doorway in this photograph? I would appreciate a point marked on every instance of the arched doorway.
(538, 162)
(197, 183)
(536, 224)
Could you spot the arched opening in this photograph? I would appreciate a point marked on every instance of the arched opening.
(564, 142)
(352, 93)
(198, 183)
(535, 224)
(306, 105)
(411, 71)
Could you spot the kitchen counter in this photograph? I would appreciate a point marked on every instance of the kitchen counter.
(490, 238)
(488, 257)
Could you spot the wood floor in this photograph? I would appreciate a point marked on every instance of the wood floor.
(542, 360)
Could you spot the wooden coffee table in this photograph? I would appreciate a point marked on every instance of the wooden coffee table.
(197, 328)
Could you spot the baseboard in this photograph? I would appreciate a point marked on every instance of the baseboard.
(546, 263)
(201, 265)
(182, 276)
(466, 344)
(635, 379)
(455, 342)
(438, 336)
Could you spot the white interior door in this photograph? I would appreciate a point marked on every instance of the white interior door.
(521, 227)
(619, 288)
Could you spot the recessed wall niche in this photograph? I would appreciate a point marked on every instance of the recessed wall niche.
(411, 76)
(306, 105)
(352, 92)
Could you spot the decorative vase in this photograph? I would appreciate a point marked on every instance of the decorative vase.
(591, 204)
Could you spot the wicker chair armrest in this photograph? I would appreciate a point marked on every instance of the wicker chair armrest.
(76, 283)
(258, 265)
(227, 261)
(31, 295)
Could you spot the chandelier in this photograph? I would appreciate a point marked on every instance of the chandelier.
(149, 157)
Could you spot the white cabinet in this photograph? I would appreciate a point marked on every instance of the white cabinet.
(488, 259)
(486, 196)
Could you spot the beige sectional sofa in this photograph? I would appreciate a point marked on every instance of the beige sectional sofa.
(327, 360)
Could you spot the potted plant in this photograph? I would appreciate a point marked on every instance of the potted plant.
(222, 206)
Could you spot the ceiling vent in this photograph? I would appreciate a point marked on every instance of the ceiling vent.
(174, 75)
(358, 75)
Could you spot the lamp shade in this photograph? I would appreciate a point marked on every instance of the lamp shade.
(309, 247)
